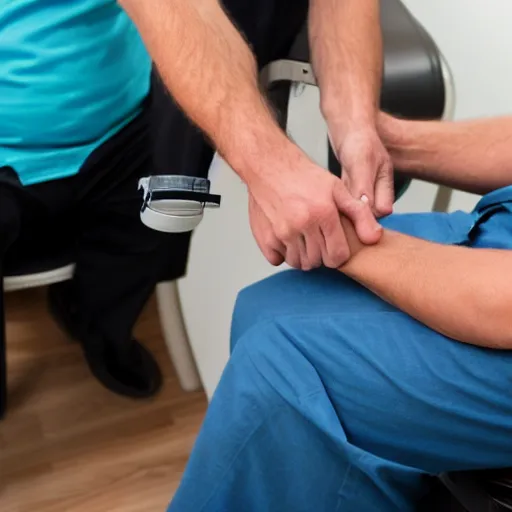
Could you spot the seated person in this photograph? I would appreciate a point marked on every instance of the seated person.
(80, 126)
(346, 389)
(77, 117)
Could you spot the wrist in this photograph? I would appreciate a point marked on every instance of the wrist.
(341, 125)
(346, 116)
(343, 128)
(354, 244)
(404, 141)
(258, 155)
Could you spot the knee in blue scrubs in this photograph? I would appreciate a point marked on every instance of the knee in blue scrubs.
(334, 400)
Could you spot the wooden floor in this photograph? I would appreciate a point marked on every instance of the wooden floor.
(68, 445)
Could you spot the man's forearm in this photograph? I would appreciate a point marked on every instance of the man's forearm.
(475, 156)
(346, 45)
(212, 75)
(457, 291)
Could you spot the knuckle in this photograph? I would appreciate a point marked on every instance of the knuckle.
(301, 219)
(270, 241)
(284, 232)
(355, 208)
(325, 213)
(386, 173)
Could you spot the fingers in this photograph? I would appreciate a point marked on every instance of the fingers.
(270, 248)
(360, 182)
(380, 194)
(264, 235)
(326, 246)
(384, 191)
(359, 212)
(296, 255)
(304, 251)
(368, 170)
(336, 250)
(312, 245)
(315, 239)
(274, 257)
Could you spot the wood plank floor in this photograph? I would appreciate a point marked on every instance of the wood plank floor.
(67, 444)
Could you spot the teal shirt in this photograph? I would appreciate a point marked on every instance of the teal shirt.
(72, 73)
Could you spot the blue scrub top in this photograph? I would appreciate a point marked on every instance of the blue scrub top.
(72, 73)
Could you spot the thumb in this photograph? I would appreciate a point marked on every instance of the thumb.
(360, 214)
(384, 191)
(359, 183)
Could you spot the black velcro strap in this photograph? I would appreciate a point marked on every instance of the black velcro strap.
(185, 195)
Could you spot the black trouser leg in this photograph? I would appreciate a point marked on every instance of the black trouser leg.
(3, 352)
(9, 229)
(118, 259)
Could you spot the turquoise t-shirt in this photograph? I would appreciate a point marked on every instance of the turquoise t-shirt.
(72, 73)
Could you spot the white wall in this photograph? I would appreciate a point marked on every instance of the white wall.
(474, 36)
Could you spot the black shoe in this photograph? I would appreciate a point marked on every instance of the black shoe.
(129, 370)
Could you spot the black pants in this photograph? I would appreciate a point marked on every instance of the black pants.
(96, 213)
(93, 219)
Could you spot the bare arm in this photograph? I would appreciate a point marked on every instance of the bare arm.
(457, 291)
(346, 47)
(475, 156)
(212, 74)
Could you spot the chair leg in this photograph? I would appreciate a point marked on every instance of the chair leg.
(3, 355)
(175, 335)
(442, 199)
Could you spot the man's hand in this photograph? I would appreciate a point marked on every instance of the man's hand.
(296, 218)
(300, 202)
(346, 51)
(472, 155)
(367, 168)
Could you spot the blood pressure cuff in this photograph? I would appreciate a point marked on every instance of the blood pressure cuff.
(175, 204)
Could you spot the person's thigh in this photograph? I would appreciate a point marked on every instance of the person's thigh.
(394, 396)
(336, 400)
(390, 398)
(32, 228)
(323, 284)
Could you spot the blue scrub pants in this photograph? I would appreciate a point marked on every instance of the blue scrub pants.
(336, 401)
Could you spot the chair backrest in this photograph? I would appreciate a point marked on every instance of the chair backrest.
(414, 82)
